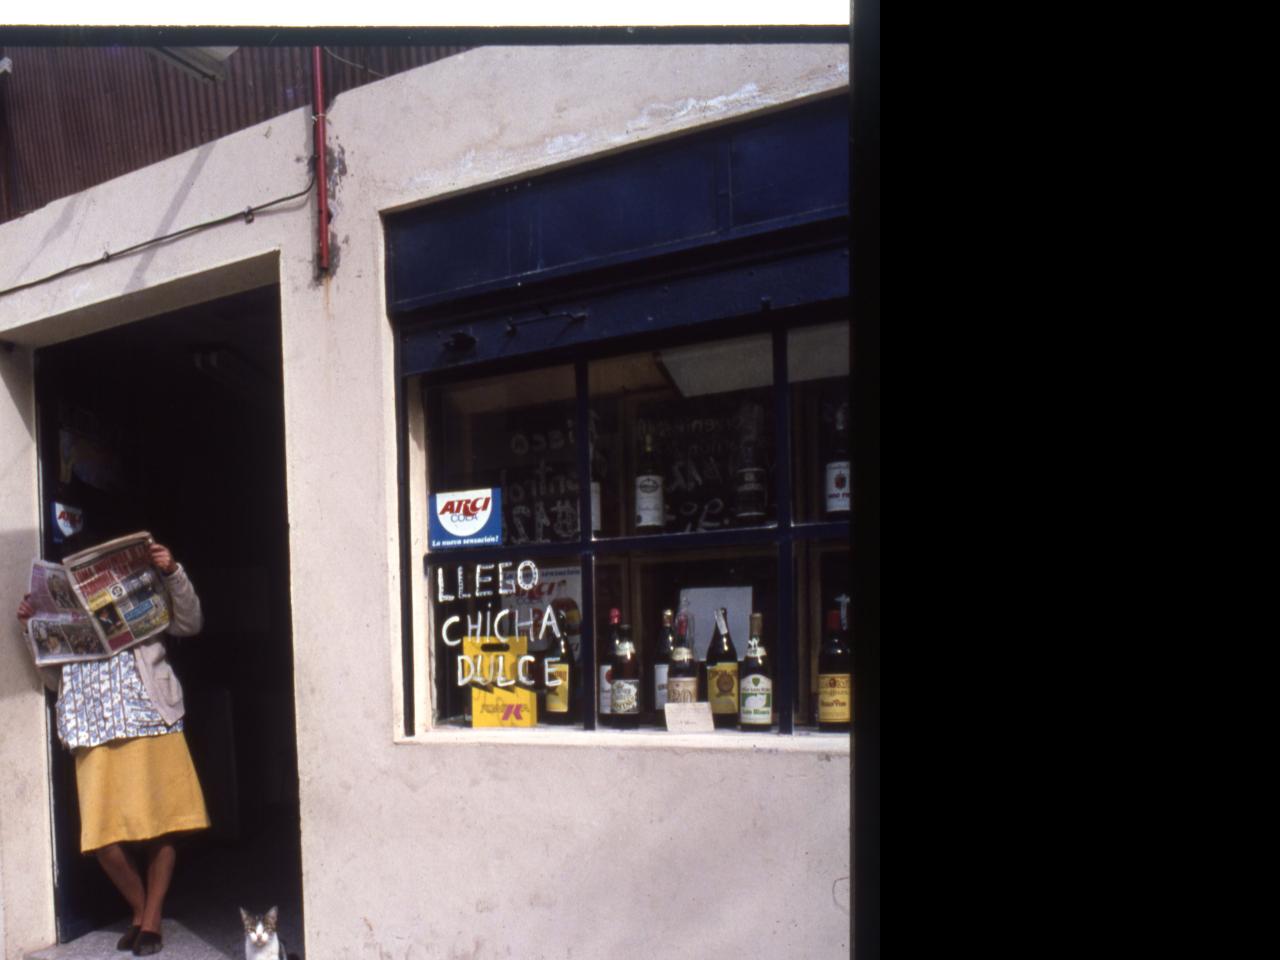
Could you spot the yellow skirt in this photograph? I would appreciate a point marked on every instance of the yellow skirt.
(137, 790)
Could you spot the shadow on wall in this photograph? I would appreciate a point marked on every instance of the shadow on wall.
(15, 373)
(18, 675)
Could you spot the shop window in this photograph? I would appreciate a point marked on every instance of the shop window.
(586, 517)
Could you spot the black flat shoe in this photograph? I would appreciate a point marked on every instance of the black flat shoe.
(147, 943)
(130, 935)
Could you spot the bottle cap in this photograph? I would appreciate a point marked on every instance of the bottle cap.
(615, 615)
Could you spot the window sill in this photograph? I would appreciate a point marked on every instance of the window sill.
(803, 741)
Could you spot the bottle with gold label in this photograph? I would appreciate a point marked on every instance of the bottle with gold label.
(755, 711)
(559, 676)
(722, 673)
(835, 677)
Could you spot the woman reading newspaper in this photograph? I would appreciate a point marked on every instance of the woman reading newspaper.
(121, 717)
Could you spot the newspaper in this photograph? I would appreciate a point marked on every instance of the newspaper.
(96, 603)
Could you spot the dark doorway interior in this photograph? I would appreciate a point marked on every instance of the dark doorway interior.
(175, 425)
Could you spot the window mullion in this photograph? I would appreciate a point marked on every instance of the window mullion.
(587, 635)
(784, 629)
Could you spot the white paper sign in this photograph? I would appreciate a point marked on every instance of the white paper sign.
(689, 717)
(703, 603)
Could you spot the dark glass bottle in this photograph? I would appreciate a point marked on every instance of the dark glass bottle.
(624, 691)
(559, 677)
(839, 478)
(662, 660)
(835, 677)
(755, 710)
(722, 674)
(614, 638)
(650, 506)
(750, 489)
(682, 676)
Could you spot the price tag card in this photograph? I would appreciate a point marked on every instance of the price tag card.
(689, 717)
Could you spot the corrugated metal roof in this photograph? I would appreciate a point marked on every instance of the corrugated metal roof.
(73, 117)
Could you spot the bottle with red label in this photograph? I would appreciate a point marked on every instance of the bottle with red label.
(682, 674)
(604, 691)
(624, 685)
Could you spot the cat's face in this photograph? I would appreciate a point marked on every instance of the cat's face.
(259, 928)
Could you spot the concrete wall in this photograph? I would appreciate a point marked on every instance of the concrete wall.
(450, 843)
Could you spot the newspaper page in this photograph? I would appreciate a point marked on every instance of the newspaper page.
(114, 589)
(60, 630)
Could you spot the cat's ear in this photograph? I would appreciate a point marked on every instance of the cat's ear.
(244, 916)
(271, 916)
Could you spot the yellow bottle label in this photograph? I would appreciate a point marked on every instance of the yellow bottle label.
(722, 687)
(558, 696)
(835, 698)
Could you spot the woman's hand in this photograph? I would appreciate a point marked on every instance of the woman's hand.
(25, 610)
(162, 559)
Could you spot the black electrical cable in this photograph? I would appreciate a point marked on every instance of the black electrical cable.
(107, 255)
(352, 63)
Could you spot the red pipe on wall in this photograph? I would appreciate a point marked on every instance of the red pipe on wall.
(322, 179)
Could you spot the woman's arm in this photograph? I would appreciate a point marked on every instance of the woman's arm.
(185, 616)
(49, 676)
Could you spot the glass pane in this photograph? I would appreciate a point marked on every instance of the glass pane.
(818, 367)
(513, 434)
(639, 653)
(507, 642)
(683, 438)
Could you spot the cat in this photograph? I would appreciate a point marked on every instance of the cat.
(261, 942)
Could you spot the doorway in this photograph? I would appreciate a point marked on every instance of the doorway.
(175, 425)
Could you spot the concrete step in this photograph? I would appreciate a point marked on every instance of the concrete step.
(179, 944)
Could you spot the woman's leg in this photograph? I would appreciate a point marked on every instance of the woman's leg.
(161, 857)
(120, 870)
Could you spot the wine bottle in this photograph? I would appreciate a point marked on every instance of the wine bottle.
(662, 660)
(755, 710)
(835, 677)
(606, 668)
(750, 488)
(650, 508)
(624, 691)
(722, 673)
(559, 675)
(682, 676)
(839, 478)
(597, 474)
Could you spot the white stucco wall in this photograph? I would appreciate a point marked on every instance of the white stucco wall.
(604, 844)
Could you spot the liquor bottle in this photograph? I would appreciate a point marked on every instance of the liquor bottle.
(755, 710)
(606, 668)
(839, 478)
(597, 474)
(750, 486)
(722, 673)
(835, 677)
(750, 483)
(650, 509)
(559, 676)
(624, 693)
(682, 676)
(662, 660)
